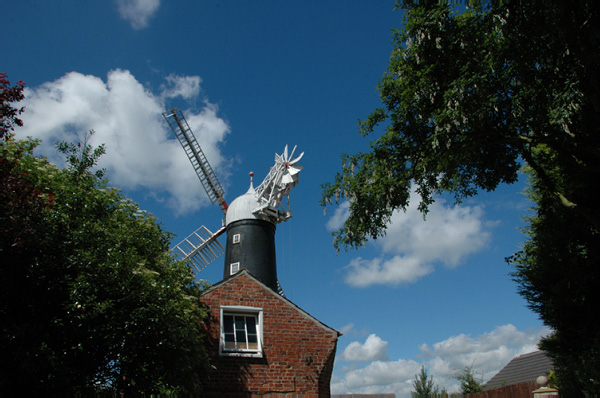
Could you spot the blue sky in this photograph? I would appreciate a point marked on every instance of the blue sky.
(252, 77)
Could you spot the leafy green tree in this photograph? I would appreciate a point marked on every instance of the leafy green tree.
(471, 97)
(466, 98)
(90, 298)
(424, 385)
(469, 383)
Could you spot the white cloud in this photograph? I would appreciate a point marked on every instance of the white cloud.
(378, 377)
(448, 234)
(346, 329)
(374, 348)
(339, 216)
(399, 269)
(412, 245)
(137, 12)
(487, 354)
(186, 87)
(141, 151)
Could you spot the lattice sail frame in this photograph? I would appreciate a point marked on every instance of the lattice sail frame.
(192, 149)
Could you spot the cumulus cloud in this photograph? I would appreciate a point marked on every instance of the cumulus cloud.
(486, 354)
(399, 269)
(141, 151)
(412, 245)
(374, 348)
(137, 12)
(378, 374)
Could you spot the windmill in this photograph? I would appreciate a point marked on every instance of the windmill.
(250, 219)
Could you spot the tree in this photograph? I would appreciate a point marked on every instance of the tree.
(557, 273)
(471, 97)
(8, 114)
(90, 296)
(423, 385)
(469, 384)
(467, 98)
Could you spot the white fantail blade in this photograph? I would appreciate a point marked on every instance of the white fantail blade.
(287, 179)
(293, 170)
(282, 177)
(297, 159)
(292, 154)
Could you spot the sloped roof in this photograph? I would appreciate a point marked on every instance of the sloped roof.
(523, 368)
(284, 299)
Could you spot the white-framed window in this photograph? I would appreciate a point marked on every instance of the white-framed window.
(233, 268)
(236, 238)
(241, 331)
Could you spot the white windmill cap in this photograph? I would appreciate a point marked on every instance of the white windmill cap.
(243, 206)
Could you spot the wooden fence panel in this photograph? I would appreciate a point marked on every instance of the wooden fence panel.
(521, 390)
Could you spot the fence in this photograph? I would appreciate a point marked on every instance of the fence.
(364, 396)
(520, 390)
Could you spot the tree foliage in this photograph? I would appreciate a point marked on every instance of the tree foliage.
(557, 273)
(466, 98)
(90, 296)
(8, 114)
(424, 385)
(469, 382)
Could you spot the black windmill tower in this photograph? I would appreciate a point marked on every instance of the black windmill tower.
(250, 220)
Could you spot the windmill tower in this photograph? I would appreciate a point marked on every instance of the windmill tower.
(250, 220)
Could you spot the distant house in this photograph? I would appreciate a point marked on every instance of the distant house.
(518, 378)
(524, 368)
(263, 345)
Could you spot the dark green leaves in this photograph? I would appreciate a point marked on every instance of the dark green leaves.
(91, 297)
(466, 99)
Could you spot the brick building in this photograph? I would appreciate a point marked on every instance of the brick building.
(260, 343)
(263, 345)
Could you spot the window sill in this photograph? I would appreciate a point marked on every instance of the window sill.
(241, 354)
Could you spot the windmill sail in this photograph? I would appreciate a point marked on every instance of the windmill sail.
(200, 248)
(188, 141)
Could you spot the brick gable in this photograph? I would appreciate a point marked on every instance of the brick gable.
(298, 350)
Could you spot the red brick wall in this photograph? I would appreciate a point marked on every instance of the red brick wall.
(298, 352)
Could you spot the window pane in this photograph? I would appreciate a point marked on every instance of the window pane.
(251, 324)
(240, 337)
(230, 337)
(228, 323)
(229, 345)
(239, 323)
